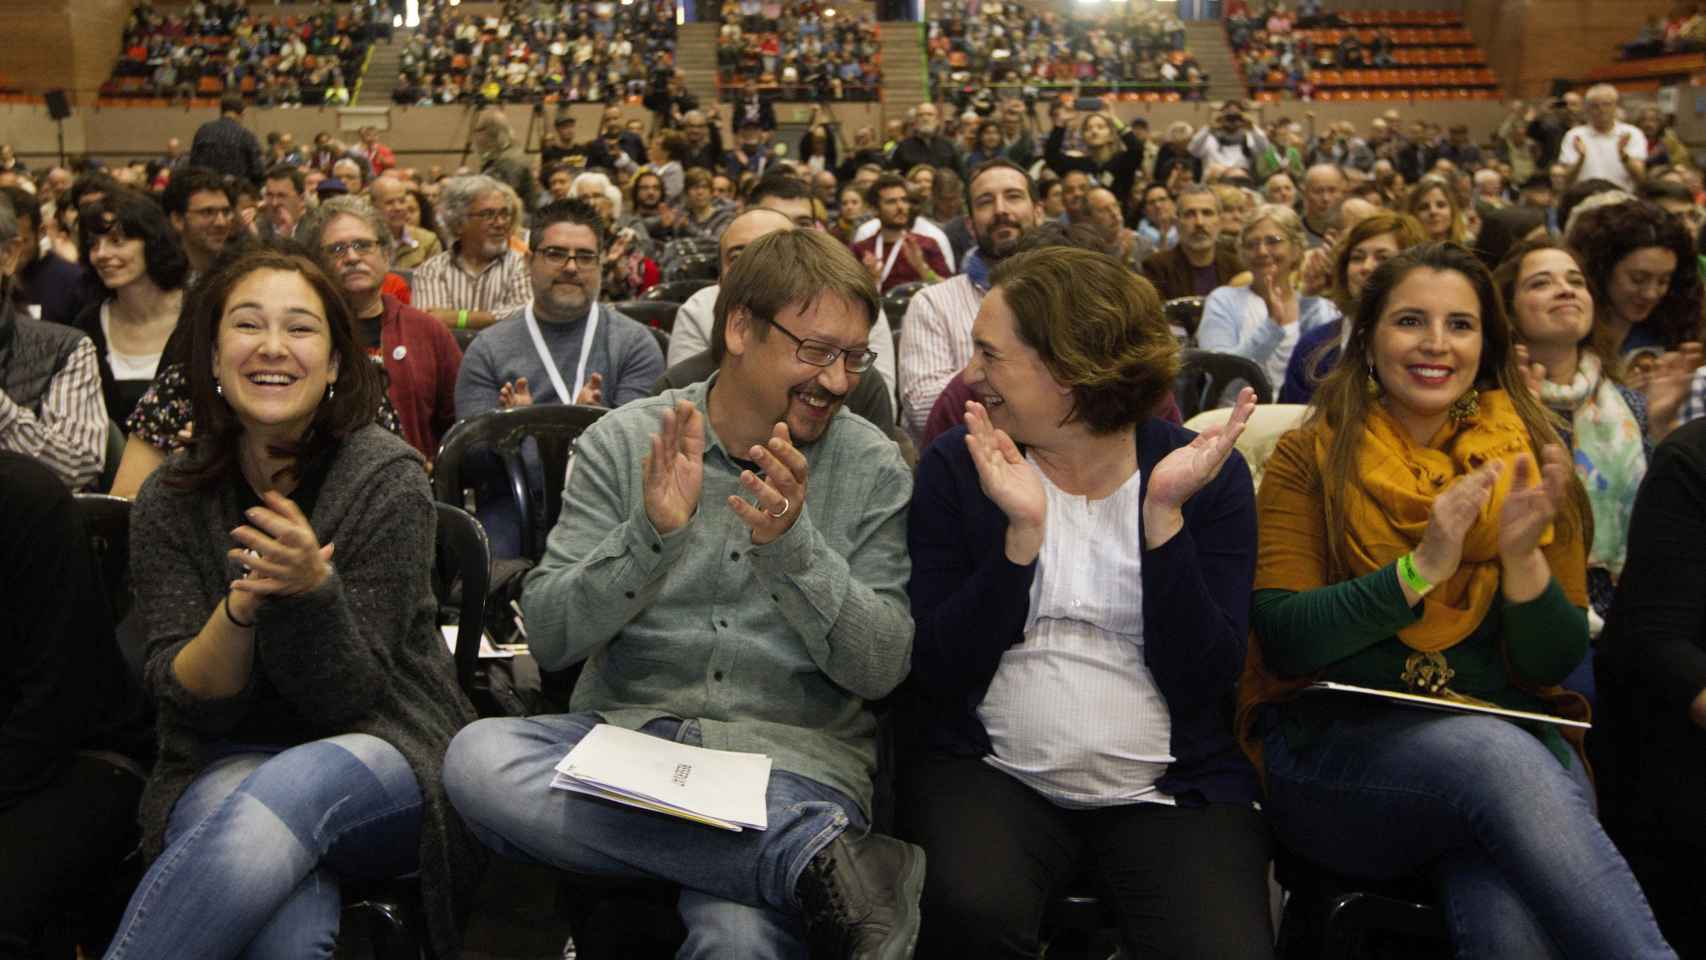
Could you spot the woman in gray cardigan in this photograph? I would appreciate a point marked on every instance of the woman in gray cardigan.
(283, 567)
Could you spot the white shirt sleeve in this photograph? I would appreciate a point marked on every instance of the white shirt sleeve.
(691, 334)
(926, 362)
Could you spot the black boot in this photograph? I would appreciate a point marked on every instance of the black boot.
(860, 897)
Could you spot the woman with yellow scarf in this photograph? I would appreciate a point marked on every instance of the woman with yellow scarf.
(1423, 533)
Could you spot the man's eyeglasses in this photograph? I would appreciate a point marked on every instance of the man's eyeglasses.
(492, 215)
(820, 354)
(361, 247)
(557, 256)
(213, 213)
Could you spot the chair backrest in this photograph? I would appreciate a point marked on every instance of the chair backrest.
(895, 301)
(553, 427)
(1184, 313)
(676, 291)
(464, 337)
(658, 314)
(662, 337)
(698, 266)
(1261, 434)
(115, 453)
(1208, 380)
(107, 519)
(464, 556)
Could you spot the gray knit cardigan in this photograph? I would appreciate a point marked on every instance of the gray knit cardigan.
(359, 654)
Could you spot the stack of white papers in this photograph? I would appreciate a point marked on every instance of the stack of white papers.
(718, 788)
(487, 652)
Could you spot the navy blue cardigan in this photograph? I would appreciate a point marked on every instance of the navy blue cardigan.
(970, 604)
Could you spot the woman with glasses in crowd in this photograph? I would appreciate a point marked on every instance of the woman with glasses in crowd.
(1265, 320)
(1422, 533)
(305, 696)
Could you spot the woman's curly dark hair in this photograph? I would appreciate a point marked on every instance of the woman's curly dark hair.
(1606, 236)
(136, 216)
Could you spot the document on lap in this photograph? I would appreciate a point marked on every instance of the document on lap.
(718, 788)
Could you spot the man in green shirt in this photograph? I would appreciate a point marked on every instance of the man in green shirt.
(716, 602)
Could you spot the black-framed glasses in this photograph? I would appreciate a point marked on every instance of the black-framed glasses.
(820, 354)
(558, 256)
(361, 247)
(492, 214)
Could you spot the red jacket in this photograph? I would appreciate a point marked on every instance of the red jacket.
(421, 359)
(902, 271)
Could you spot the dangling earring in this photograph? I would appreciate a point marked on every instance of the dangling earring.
(331, 390)
(218, 387)
(1464, 407)
(1372, 384)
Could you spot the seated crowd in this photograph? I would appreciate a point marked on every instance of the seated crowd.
(995, 45)
(206, 49)
(577, 51)
(800, 49)
(1284, 50)
(1681, 30)
(906, 467)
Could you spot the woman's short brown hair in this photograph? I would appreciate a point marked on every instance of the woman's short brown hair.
(1098, 329)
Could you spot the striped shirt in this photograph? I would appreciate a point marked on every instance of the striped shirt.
(1073, 712)
(935, 344)
(1694, 405)
(67, 430)
(443, 283)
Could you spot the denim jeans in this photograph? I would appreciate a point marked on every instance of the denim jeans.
(1507, 834)
(257, 844)
(737, 888)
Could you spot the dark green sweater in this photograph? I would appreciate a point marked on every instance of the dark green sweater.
(1347, 632)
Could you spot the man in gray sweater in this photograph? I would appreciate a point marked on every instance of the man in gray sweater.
(565, 344)
(716, 602)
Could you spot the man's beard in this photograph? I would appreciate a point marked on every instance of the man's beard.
(549, 307)
(993, 249)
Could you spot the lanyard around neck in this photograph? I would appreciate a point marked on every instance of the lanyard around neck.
(551, 370)
(889, 263)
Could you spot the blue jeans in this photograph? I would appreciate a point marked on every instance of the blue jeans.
(1507, 834)
(737, 888)
(257, 844)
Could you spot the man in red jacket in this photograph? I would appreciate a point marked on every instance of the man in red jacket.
(894, 254)
(419, 354)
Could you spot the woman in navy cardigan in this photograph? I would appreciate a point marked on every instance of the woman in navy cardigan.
(1081, 586)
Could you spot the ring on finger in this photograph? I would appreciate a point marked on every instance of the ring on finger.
(786, 506)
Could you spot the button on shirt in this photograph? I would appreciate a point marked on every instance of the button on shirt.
(1073, 712)
(773, 649)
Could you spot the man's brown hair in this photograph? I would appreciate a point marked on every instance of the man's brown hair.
(789, 268)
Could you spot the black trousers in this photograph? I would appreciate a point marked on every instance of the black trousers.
(1187, 882)
(61, 849)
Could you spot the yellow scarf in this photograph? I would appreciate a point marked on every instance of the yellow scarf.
(1388, 505)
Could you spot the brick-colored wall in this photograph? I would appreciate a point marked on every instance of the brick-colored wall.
(1530, 43)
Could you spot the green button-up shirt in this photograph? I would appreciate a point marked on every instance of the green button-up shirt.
(773, 649)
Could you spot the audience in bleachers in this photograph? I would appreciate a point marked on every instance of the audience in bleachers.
(1009, 45)
(1320, 54)
(213, 47)
(800, 49)
(588, 52)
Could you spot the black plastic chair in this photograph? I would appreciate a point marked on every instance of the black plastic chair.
(1338, 918)
(698, 266)
(462, 570)
(1184, 313)
(657, 314)
(553, 426)
(115, 453)
(1206, 378)
(464, 337)
(676, 291)
(896, 301)
(107, 518)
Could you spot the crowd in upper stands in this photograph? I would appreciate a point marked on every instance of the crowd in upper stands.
(580, 51)
(1683, 30)
(213, 46)
(1005, 45)
(802, 49)
(942, 403)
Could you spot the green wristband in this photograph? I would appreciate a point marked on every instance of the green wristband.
(461, 319)
(1411, 577)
